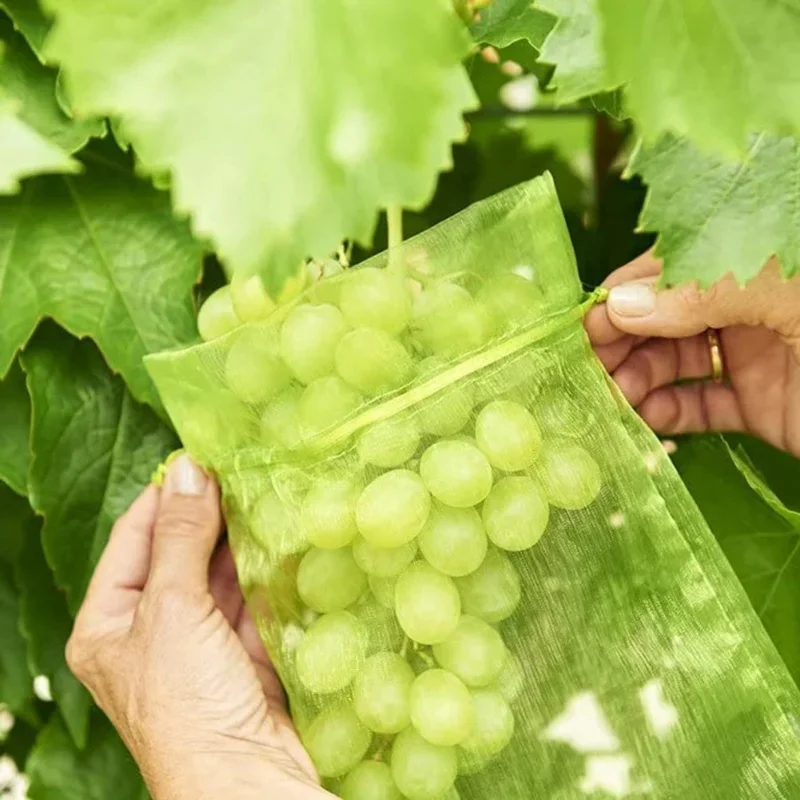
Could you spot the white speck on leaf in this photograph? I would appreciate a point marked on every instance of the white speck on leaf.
(584, 726)
(607, 774)
(661, 715)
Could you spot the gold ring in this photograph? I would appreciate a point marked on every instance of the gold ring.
(715, 351)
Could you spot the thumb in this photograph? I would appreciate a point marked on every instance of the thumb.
(187, 528)
(639, 308)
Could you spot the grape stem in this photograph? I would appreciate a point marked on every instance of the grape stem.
(404, 648)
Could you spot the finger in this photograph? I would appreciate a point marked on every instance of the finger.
(692, 409)
(123, 567)
(247, 631)
(223, 583)
(612, 355)
(187, 528)
(659, 362)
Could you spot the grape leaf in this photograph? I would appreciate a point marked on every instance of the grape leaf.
(94, 448)
(46, 625)
(16, 683)
(575, 48)
(369, 101)
(507, 21)
(14, 427)
(104, 256)
(715, 216)
(33, 86)
(15, 515)
(713, 70)
(29, 20)
(104, 769)
(760, 536)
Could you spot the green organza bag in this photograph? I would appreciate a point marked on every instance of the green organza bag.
(475, 569)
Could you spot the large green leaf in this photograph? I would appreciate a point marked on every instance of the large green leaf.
(15, 516)
(103, 770)
(46, 625)
(29, 20)
(104, 256)
(33, 87)
(94, 449)
(715, 216)
(286, 126)
(760, 536)
(14, 427)
(714, 70)
(507, 21)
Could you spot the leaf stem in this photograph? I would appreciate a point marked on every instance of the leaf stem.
(394, 224)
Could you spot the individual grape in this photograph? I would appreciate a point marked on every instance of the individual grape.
(494, 723)
(250, 300)
(279, 422)
(325, 402)
(329, 580)
(393, 508)
(559, 417)
(375, 298)
(331, 653)
(383, 562)
(216, 316)
(309, 338)
(336, 740)
(421, 770)
(570, 476)
(512, 300)
(453, 540)
(276, 527)
(383, 589)
(381, 693)
(511, 679)
(372, 361)
(441, 708)
(370, 780)
(515, 514)
(508, 435)
(493, 591)
(253, 371)
(449, 410)
(475, 652)
(427, 604)
(449, 322)
(389, 443)
(383, 630)
(328, 513)
(456, 472)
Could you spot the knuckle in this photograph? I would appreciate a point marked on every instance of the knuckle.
(81, 653)
(179, 523)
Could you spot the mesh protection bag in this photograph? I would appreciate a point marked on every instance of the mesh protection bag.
(429, 476)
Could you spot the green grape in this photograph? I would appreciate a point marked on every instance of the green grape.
(279, 422)
(389, 443)
(381, 693)
(494, 723)
(370, 780)
(560, 417)
(216, 316)
(309, 338)
(383, 562)
(469, 762)
(336, 740)
(453, 540)
(448, 411)
(325, 402)
(456, 472)
(331, 653)
(250, 300)
(329, 580)
(515, 514)
(441, 708)
(512, 301)
(383, 589)
(427, 604)
(570, 476)
(475, 652)
(508, 435)
(375, 298)
(421, 770)
(493, 591)
(372, 361)
(511, 679)
(328, 513)
(253, 371)
(449, 322)
(383, 630)
(276, 527)
(392, 510)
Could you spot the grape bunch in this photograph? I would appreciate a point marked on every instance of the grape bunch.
(404, 556)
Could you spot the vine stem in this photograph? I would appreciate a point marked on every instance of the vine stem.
(394, 223)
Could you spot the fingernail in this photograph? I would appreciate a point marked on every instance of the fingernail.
(632, 300)
(185, 477)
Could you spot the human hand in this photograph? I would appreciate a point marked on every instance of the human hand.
(169, 652)
(649, 339)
